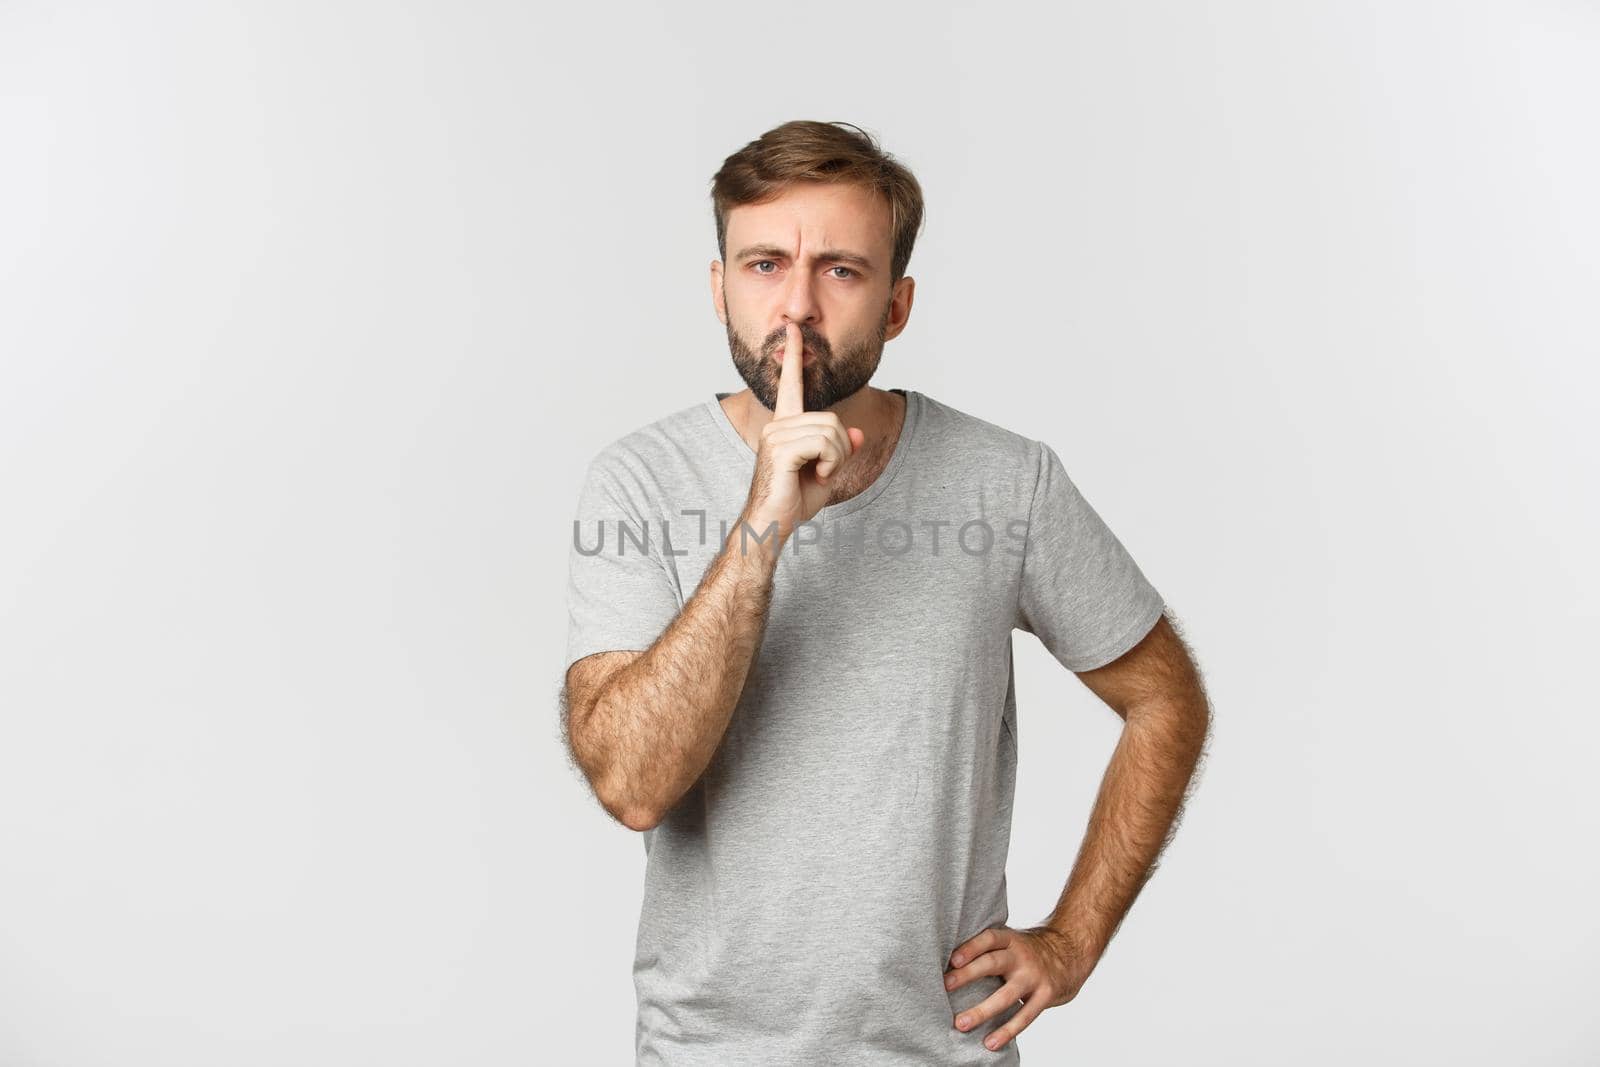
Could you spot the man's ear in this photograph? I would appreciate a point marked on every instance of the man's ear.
(716, 291)
(900, 307)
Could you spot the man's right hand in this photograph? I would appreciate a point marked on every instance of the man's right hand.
(801, 452)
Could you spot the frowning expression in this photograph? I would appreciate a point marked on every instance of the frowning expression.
(818, 256)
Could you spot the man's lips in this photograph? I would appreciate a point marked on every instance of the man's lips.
(806, 356)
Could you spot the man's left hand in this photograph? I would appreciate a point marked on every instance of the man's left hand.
(1042, 967)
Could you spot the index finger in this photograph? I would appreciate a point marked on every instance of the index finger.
(791, 383)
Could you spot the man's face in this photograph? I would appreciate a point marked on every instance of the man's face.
(817, 256)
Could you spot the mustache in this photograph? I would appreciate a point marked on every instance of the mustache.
(810, 338)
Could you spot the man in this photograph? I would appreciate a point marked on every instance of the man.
(790, 663)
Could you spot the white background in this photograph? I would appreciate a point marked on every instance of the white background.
(312, 313)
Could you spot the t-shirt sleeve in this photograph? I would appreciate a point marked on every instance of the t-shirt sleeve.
(1082, 595)
(619, 595)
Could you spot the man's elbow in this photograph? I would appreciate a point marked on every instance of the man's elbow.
(640, 820)
(1181, 710)
(621, 801)
(615, 794)
(1183, 720)
(627, 810)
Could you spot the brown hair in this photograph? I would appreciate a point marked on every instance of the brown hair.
(804, 150)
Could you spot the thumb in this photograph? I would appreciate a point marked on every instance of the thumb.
(858, 437)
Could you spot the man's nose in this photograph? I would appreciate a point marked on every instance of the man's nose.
(800, 298)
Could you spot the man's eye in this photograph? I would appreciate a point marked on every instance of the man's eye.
(768, 263)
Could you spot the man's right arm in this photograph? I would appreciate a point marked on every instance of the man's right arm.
(643, 726)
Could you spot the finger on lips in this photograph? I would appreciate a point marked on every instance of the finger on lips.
(791, 386)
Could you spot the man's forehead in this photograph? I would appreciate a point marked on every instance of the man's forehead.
(843, 219)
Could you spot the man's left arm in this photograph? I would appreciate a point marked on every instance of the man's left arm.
(1156, 688)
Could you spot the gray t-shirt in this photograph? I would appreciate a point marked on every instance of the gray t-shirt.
(802, 900)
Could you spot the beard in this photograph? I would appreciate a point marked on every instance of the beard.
(828, 379)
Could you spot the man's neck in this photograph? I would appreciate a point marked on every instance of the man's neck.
(878, 413)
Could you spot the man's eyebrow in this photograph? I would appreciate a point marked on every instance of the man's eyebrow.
(831, 255)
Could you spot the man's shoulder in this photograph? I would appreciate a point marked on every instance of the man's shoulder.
(684, 428)
(963, 434)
